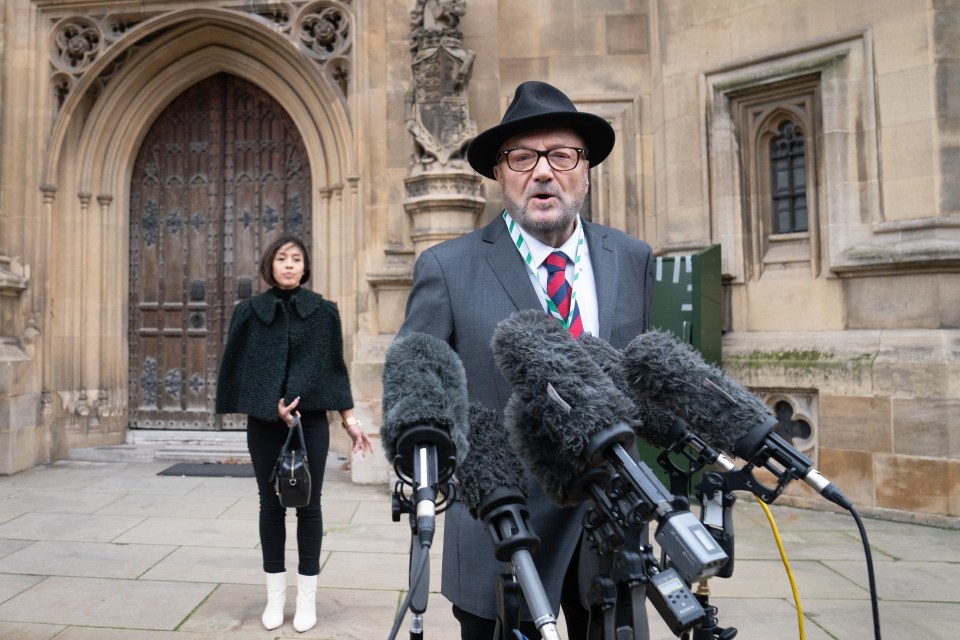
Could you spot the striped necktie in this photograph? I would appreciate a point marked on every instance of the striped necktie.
(561, 292)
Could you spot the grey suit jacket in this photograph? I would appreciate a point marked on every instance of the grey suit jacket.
(462, 289)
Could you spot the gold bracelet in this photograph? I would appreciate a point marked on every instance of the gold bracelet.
(349, 422)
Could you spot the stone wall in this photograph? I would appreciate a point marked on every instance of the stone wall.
(888, 419)
(856, 322)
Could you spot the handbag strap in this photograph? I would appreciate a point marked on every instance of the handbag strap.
(298, 427)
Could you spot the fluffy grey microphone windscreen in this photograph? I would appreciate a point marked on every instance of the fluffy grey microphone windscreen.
(491, 462)
(653, 424)
(567, 397)
(423, 383)
(556, 471)
(672, 374)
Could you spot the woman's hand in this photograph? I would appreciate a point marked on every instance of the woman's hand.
(286, 411)
(361, 442)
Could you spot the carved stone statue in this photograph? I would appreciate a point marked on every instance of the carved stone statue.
(444, 195)
(437, 113)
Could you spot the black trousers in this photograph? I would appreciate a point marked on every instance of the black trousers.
(577, 618)
(264, 440)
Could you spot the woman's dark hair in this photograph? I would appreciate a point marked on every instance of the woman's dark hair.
(266, 260)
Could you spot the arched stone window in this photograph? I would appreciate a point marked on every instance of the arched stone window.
(788, 179)
(828, 89)
(779, 126)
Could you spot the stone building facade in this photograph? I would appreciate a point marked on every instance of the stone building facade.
(817, 142)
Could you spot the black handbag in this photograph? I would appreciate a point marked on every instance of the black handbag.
(291, 474)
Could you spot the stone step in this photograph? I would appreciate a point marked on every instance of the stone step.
(171, 446)
(113, 453)
(201, 453)
(185, 436)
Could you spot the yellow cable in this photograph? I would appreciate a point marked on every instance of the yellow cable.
(786, 564)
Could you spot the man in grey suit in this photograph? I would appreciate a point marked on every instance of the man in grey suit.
(538, 254)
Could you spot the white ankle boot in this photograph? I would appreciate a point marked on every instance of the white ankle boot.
(276, 599)
(306, 616)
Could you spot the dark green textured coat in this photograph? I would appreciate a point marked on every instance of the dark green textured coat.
(255, 358)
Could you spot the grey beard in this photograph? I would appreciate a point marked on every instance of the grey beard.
(545, 231)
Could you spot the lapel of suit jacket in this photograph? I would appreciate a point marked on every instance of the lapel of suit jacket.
(505, 261)
(605, 275)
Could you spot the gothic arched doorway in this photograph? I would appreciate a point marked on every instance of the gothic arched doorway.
(221, 173)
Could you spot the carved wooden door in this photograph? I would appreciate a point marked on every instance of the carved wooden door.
(222, 172)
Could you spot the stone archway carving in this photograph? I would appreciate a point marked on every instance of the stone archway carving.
(86, 193)
(98, 45)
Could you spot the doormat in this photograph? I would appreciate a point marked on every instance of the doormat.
(209, 470)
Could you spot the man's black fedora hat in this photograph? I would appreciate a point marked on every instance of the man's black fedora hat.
(538, 105)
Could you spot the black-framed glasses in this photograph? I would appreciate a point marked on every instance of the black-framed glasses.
(559, 159)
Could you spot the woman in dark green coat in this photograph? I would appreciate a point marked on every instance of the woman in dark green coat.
(284, 356)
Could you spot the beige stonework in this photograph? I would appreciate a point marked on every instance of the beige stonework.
(856, 423)
(925, 427)
(912, 301)
(852, 470)
(885, 401)
(912, 484)
(860, 320)
(953, 486)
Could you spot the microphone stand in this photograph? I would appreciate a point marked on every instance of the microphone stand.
(419, 583)
(616, 600)
(716, 512)
(509, 601)
(504, 513)
(716, 509)
(427, 472)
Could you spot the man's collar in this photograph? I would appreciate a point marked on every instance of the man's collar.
(539, 250)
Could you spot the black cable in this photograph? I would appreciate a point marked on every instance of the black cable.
(415, 579)
(870, 577)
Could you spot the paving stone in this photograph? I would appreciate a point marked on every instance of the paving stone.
(57, 501)
(84, 559)
(131, 604)
(9, 546)
(203, 563)
(29, 631)
(68, 527)
(192, 532)
(188, 506)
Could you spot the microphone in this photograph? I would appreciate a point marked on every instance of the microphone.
(560, 477)
(493, 486)
(424, 418)
(572, 407)
(536, 415)
(565, 391)
(665, 431)
(726, 415)
(657, 427)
